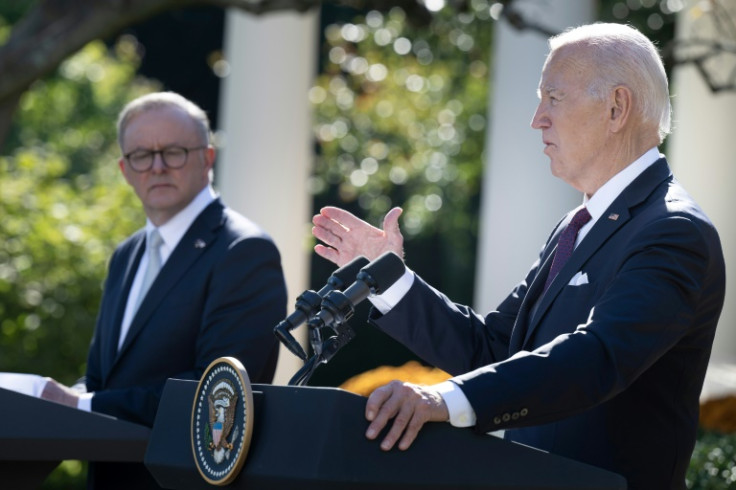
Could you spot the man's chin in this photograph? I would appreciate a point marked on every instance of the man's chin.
(555, 169)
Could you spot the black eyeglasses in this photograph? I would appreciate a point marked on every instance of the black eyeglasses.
(172, 157)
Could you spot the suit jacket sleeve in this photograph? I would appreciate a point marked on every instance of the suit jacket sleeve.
(448, 335)
(599, 338)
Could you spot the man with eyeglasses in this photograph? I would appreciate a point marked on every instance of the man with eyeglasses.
(198, 282)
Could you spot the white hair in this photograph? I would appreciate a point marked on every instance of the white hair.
(158, 100)
(624, 56)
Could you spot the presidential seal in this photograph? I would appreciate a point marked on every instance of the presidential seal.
(222, 421)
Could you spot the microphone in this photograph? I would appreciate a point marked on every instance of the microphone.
(308, 304)
(376, 277)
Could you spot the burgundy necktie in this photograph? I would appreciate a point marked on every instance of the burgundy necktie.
(566, 244)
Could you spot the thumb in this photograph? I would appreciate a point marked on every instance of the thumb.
(391, 222)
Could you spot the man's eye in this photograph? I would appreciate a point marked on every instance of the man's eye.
(140, 155)
(173, 152)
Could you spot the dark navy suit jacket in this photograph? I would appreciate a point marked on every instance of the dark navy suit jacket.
(609, 372)
(220, 293)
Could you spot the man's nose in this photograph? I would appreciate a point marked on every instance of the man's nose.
(158, 164)
(539, 120)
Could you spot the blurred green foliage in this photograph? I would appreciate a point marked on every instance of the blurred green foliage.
(64, 206)
(400, 115)
(400, 120)
(713, 465)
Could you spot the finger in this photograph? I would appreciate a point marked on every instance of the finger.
(344, 218)
(328, 253)
(329, 226)
(376, 401)
(379, 410)
(412, 429)
(400, 425)
(326, 236)
(393, 232)
(391, 220)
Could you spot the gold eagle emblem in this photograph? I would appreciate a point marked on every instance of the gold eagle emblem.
(221, 401)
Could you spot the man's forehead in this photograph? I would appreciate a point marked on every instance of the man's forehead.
(563, 69)
(547, 87)
(156, 122)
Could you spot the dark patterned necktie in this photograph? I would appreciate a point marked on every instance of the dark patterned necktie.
(566, 244)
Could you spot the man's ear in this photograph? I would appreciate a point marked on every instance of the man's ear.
(209, 155)
(621, 101)
(121, 164)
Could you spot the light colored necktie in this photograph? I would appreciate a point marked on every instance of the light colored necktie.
(153, 244)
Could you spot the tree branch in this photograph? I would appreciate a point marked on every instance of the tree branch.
(55, 29)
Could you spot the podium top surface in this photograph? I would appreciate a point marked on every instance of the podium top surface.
(40, 430)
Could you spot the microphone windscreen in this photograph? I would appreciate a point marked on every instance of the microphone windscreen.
(383, 272)
(346, 274)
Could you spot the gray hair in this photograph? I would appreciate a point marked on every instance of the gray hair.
(624, 56)
(158, 100)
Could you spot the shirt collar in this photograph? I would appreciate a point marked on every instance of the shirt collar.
(608, 192)
(174, 229)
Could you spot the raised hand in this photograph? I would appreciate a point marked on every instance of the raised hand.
(346, 236)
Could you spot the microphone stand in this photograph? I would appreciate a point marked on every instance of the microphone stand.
(324, 351)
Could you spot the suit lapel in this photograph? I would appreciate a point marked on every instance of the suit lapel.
(529, 304)
(200, 236)
(131, 266)
(617, 214)
(595, 238)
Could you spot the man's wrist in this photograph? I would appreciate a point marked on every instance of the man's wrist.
(85, 402)
(458, 406)
(391, 297)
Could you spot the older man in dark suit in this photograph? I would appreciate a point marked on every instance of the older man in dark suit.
(198, 282)
(600, 353)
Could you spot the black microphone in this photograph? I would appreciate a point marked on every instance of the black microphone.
(376, 277)
(308, 304)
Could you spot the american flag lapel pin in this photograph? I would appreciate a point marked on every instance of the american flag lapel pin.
(199, 243)
(613, 216)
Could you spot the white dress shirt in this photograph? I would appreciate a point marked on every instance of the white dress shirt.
(458, 406)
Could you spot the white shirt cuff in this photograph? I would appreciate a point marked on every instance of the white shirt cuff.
(85, 402)
(461, 413)
(391, 297)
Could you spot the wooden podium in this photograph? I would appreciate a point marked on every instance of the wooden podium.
(313, 438)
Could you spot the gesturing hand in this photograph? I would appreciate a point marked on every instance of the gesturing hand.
(410, 405)
(346, 236)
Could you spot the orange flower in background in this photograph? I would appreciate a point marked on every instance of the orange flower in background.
(719, 414)
(412, 372)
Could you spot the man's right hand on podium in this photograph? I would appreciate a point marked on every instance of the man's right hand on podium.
(59, 393)
(410, 405)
